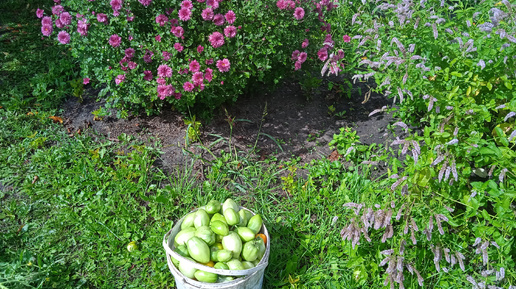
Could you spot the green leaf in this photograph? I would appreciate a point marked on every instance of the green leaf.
(508, 84)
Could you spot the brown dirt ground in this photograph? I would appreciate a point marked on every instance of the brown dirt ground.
(299, 122)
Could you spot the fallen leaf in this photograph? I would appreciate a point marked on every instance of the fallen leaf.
(56, 119)
(35, 179)
(334, 156)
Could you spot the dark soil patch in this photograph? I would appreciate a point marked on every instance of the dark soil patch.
(300, 123)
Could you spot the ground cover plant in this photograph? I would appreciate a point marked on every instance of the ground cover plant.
(83, 210)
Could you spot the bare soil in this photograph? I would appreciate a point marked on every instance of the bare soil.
(300, 122)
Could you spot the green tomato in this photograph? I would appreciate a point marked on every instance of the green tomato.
(184, 235)
(206, 277)
(213, 207)
(198, 250)
(188, 221)
(255, 223)
(219, 228)
(201, 218)
(231, 216)
(245, 234)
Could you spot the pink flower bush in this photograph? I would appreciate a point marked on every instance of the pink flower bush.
(85, 81)
(161, 19)
(194, 66)
(158, 38)
(230, 17)
(200, 49)
(59, 24)
(230, 31)
(207, 14)
(188, 86)
(148, 56)
(223, 65)
(213, 3)
(161, 80)
(82, 27)
(63, 37)
(132, 65)
(115, 40)
(209, 61)
(297, 65)
(299, 13)
(164, 71)
(119, 79)
(184, 14)
(218, 19)
(39, 13)
(46, 21)
(164, 91)
(216, 39)
(346, 38)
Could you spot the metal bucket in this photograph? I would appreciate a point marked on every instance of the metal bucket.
(249, 279)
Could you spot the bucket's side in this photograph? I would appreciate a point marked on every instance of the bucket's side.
(251, 278)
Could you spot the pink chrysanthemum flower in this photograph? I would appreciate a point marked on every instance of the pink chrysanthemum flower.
(148, 56)
(161, 19)
(299, 13)
(178, 31)
(164, 71)
(184, 14)
(207, 14)
(230, 31)
(119, 79)
(340, 54)
(46, 30)
(177, 95)
(230, 17)
(188, 86)
(102, 18)
(116, 5)
(57, 10)
(295, 55)
(197, 78)
(213, 3)
(164, 91)
(187, 4)
(169, 11)
(147, 75)
(85, 81)
(115, 40)
(323, 54)
(209, 61)
(304, 44)
(66, 18)
(63, 37)
(174, 21)
(223, 65)
(158, 38)
(39, 13)
(200, 49)
(82, 27)
(59, 24)
(178, 47)
(194, 66)
(346, 38)
(302, 57)
(297, 65)
(281, 4)
(216, 39)
(132, 65)
(218, 19)
(46, 21)
(166, 55)
(129, 53)
(145, 2)
(208, 74)
(161, 80)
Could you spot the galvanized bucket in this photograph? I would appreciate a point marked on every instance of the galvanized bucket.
(250, 278)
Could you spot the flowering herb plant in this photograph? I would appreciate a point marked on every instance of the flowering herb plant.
(151, 52)
(449, 68)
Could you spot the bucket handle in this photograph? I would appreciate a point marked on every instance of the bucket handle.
(261, 266)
